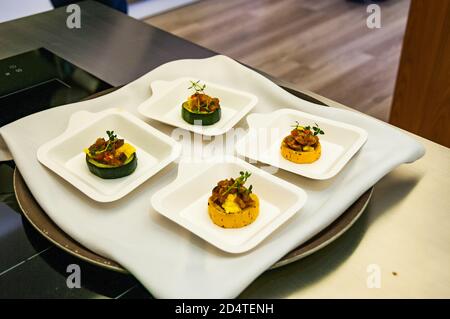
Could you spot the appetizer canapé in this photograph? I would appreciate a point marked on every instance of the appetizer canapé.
(200, 108)
(112, 158)
(302, 146)
(231, 204)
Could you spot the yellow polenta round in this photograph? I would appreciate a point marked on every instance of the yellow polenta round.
(233, 220)
(300, 157)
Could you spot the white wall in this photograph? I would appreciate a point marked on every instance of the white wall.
(143, 9)
(13, 9)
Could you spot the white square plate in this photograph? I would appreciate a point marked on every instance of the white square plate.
(266, 131)
(64, 155)
(185, 201)
(165, 105)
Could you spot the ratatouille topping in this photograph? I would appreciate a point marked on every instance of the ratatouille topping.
(230, 192)
(303, 138)
(112, 152)
(199, 102)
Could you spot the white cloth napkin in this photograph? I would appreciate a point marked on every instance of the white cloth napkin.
(170, 261)
(5, 155)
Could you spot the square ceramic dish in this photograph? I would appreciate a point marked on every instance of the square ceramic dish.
(185, 201)
(64, 155)
(266, 131)
(165, 105)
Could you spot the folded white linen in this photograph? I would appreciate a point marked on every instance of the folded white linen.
(168, 260)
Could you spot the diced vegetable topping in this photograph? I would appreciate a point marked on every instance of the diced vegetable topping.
(112, 152)
(303, 138)
(199, 102)
(232, 195)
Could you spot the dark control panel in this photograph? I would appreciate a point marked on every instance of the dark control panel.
(37, 80)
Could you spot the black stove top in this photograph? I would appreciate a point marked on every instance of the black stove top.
(37, 80)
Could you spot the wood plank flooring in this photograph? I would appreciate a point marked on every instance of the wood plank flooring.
(320, 45)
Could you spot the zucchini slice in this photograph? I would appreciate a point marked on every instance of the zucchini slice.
(203, 118)
(111, 172)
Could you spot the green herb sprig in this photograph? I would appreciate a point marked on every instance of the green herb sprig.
(297, 125)
(197, 87)
(316, 129)
(112, 137)
(239, 182)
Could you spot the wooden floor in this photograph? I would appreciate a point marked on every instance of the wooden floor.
(320, 45)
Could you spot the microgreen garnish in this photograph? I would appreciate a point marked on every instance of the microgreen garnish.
(112, 139)
(316, 129)
(111, 135)
(197, 87)
(249, 190)
(297, 126)
(239, 182)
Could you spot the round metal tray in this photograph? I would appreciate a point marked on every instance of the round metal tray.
(39, 219)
